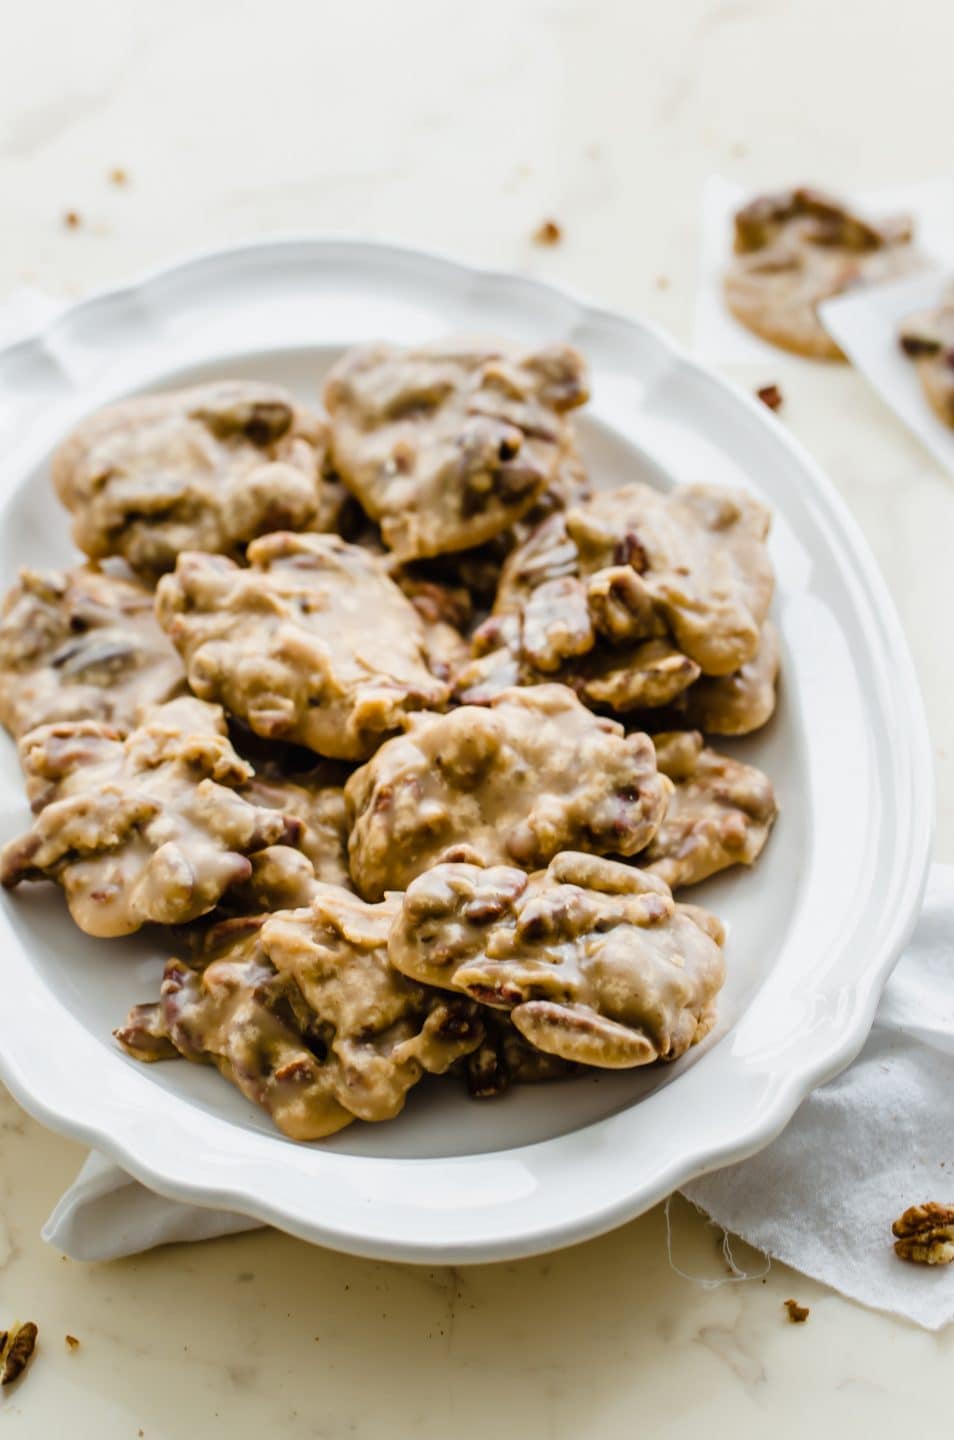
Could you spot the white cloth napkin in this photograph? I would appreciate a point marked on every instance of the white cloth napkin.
(859, 1151)
(106, 1213)
(821, 1198)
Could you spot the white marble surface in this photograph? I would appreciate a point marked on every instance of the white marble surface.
(461, 128)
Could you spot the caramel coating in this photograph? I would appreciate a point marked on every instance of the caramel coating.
(283, 877)
(445, 612)
(313, 643)
(382, 1031)
(739, 703)
(631, 596)
(207, 468)
(81, 645)
(638, 677)
(449, 444)
(147, 828)
(531, 774)
(720, 813)
(476, 572)
(592, 958)
(230, 1008)
(321, 809)
(505, 1058)
(800, 247)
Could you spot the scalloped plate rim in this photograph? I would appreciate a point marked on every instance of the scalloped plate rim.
(47, 1102)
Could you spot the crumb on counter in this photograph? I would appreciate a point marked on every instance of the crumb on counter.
(771, 396)
(16, 1350)
(71, 1342)
(72, 220)
(119, 176)
(798, 1314)
(548, 233)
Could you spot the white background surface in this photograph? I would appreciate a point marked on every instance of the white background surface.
(461, 128)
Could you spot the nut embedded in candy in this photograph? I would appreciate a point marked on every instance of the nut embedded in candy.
(153, 828)
(505, 1058)
(447, 445)
(230, 1008)
(320, 807)
(312, 643)
(382, 1031)
(593, 959)
(202, 469)
(532, 773)
(720, 813)
(81, 644)
(739, 703)
(630, 596)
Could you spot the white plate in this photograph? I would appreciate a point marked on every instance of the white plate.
(813, 931)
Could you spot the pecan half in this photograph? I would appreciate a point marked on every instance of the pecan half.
(446, 446)
(924, 1234)
(17, 1351)
(592, 958)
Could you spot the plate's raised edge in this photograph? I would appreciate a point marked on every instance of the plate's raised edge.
(741, 1139)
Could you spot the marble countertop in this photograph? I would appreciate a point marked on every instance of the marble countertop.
(461, 129)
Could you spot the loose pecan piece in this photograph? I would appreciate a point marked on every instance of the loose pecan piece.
(925, 1234)
(16, 1351)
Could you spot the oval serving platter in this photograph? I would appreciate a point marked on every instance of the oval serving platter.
(813, 930)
